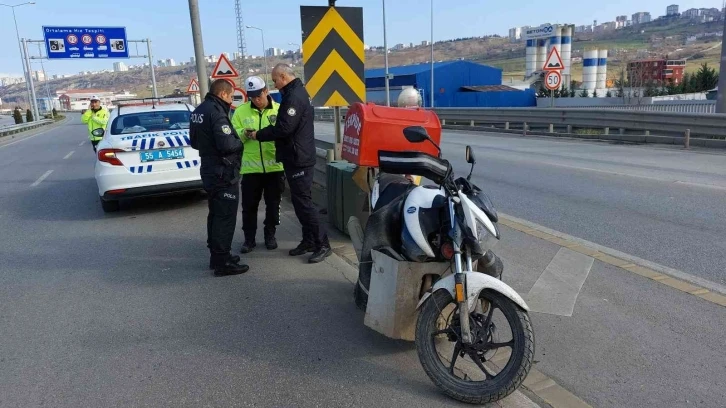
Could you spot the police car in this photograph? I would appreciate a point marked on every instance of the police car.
(146, 151)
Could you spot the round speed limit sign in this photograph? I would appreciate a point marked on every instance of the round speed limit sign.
(553, 79)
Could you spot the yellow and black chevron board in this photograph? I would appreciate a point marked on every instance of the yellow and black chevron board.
(333, 54)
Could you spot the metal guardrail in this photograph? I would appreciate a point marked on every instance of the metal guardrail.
(671, 128)
(9, 130)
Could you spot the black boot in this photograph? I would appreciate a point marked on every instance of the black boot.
(304, 247)
(224, 265)
(233, 258)
(248, 246)
(320, 254)
(270, 241)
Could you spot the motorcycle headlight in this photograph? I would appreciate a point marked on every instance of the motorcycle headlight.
(486, 240)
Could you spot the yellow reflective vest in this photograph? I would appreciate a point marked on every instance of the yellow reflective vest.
(258, 157)
(95, 120)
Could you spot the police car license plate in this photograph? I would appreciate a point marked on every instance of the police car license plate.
(156, 155)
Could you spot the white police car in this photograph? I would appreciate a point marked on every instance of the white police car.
(146, 151)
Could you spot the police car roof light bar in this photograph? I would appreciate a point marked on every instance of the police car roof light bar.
(146, 101)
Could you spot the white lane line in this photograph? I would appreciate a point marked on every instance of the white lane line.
(556, 290)
(82, 143)
(69, 154)
(43, 177)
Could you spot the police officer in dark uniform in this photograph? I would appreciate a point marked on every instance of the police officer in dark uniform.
(294, 137)
(220, 150)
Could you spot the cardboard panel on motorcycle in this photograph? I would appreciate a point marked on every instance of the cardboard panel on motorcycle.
(369, 128)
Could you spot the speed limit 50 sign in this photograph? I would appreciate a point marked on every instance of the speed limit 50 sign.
(553, 79)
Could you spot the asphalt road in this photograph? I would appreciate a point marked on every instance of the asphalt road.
(120, 310)
(661, 204)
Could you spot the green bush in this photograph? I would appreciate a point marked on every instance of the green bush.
(28, 116)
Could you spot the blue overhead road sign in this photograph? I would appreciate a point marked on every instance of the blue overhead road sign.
(85, 42)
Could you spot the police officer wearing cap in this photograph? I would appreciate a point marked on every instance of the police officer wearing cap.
(220, 149)
(261, 173)
(96, 117)
(294, 137)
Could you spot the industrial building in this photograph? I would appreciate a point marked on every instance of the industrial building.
(456, 84)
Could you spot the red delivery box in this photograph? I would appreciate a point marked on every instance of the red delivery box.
(369, 128)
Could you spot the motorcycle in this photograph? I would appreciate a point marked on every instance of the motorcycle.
(453, 221)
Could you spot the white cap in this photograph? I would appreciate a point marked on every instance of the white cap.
(95, 98)
(254, 86)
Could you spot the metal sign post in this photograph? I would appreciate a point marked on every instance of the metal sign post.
(34, 102)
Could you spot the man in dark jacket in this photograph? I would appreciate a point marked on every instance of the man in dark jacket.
(294, 137)
(220, 150)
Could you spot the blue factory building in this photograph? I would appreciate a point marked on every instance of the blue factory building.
(457, 84)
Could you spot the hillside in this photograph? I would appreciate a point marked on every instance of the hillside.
(656, 39)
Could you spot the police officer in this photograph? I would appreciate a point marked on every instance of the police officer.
(261, 173)
(294, 136)
(220, 149)
(96, 116)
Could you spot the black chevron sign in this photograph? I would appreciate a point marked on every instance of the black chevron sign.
(333, 54)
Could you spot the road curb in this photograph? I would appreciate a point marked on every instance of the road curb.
(693, 285)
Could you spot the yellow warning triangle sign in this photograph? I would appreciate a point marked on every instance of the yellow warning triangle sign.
(224, 69)
(193, 86)
(554, 62)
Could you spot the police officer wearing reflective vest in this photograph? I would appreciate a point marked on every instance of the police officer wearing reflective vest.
(294, 137)
(261, 173)
(96, 117)
(220, 149)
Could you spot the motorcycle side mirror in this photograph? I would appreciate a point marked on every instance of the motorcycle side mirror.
(416, 134)
(470, 155)
(471, 160)
(98, 132)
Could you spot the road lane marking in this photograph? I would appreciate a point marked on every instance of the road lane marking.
(69, 154)
(556, 290)
(702, 288)
(82, 143)
(43, 177)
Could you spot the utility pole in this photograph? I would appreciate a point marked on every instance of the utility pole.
(432, 54)
(34, 101)
(385, 57)
(199, 48)
(151, 65)
(721, 94)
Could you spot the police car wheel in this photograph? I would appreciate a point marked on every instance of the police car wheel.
(109, 206)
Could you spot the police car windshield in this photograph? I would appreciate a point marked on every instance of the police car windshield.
(150, 122)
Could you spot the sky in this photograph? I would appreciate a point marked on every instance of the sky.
(167, 23)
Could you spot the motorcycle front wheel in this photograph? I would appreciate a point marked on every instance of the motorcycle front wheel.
(475, 381)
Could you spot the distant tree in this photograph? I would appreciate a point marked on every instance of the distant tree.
(584, 93)
(671, 88)
(594, 93)
(706, 78)
(55, 113)
(608, 94)
(18, 116)
(28, 116)
(564, 93)
(572, 93)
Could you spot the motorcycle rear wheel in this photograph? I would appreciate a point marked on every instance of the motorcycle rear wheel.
(475, 392)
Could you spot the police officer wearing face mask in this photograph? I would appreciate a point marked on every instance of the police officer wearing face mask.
(262, 174)
(294, 137)
(220, 149)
